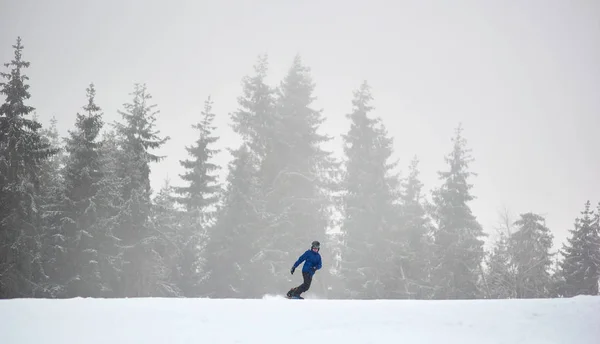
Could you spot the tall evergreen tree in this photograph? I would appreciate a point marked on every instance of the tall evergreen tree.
(556, 280)
(580, 267)
(53, 240)
(294, 180)
(202, 190)
(458, 247)
(166, 222)
(142, 273)
(231, 247)
(530, 246)
(22, 151)
(199, 198)
(414, 265)
(371, 236)
(500, 278)
(254, 121)
(54, 162)
(82, 205)
(109, 205)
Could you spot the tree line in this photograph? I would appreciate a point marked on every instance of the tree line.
(78, 216)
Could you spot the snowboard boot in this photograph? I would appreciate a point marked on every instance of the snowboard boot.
(291, 293)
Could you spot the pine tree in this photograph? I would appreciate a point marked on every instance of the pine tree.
(414, 264)
(22, 151)
(109, 204)
(142, 273)
(530, 246)
(230, 249)
(82, 205)
(254, 121)
(166, 221)
(199, 198)
(500, 279)
(52, 239)
(371, 236)
(458, 247)
(294, 180)
(55, 162)
(556, 280)
(580, 266)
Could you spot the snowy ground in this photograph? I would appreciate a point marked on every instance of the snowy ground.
(278, 320)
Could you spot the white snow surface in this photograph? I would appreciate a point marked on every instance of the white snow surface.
(275, 319)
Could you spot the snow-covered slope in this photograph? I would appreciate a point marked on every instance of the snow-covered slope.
(278, 320)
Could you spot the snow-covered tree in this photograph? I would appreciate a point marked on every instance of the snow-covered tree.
(294, 180)
(53, 241)
(500, 277)
(109, 202)
(166, 221)
(530, 246)
(142, 273)
(22, 153)
(199, 198)
(54, 162)
(231, 246)
(458, 247)
(580, 267)
(254, 120)
(81, 204)
(372, 237)
(414, 262)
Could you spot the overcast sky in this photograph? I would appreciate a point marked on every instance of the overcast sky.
(522, 76)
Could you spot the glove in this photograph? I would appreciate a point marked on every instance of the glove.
(293, 269)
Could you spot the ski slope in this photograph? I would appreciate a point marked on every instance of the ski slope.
(278, 320)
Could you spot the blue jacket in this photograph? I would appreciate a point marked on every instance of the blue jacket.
(312, 262)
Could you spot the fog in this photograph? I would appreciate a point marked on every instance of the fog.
(522, 78)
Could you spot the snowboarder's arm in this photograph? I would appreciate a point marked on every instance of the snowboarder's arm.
(319, 265)
(301, 259)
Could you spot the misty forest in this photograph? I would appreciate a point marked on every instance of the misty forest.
(78, 216)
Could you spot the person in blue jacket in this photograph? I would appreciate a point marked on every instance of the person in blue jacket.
(312, 263)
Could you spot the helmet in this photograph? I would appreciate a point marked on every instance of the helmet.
(315, 244)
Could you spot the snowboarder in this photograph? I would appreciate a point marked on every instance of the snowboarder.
(312, 263)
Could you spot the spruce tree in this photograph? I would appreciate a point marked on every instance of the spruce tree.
(22, 153)
(556, 280)
(254, 121)
(231, 248)
(54, 243)
(55, 162)
(580, 267)
(142, 273)
(109, 204)
(458, 247)
(202, 190)
(500, 278)
(530, 245)
(199, 199)
(166, 222)
(371, 234)
(294, 181)
(82, 206)
(414, 263)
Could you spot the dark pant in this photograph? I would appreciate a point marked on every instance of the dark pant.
(304, 286)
